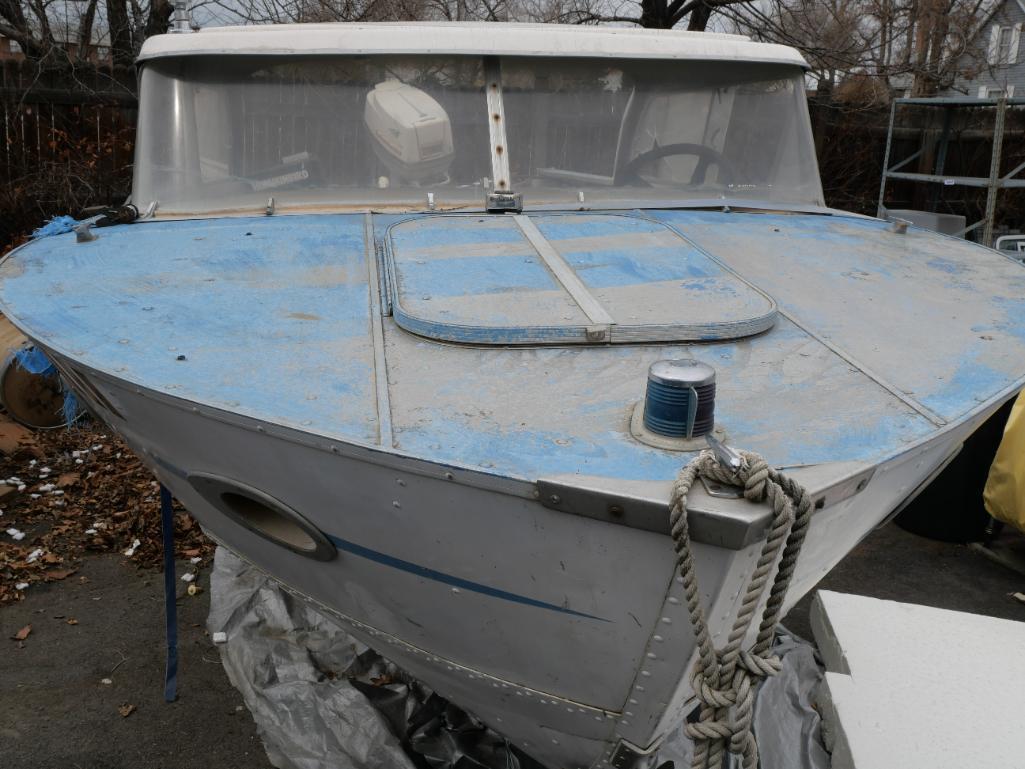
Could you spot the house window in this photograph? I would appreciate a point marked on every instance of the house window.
(1004, 45)
(1004, 41)
(995, 92)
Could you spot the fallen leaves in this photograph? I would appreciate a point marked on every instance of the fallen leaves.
(83, 491)
(65, 480)
(22, 634)
(15, 437)
(126, 710)
(72, 621)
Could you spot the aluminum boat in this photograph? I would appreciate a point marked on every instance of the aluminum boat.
(401, 354)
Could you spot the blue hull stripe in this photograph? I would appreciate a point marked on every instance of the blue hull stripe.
(423, 571)
(448, 579)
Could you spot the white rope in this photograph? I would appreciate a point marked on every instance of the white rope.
(724, 679)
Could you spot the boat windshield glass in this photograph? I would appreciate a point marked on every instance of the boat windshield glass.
(231, 132)
(412, 132)
(659, 130)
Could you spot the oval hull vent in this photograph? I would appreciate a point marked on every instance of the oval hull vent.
(265, 516)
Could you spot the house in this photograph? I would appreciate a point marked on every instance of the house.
(98, 51)
(994, 64)
(10, 50)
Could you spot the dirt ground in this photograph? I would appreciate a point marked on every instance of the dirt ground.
(56, 712)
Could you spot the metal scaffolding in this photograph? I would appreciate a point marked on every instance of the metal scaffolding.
(993, 183)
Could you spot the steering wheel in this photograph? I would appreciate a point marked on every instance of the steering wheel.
(706, 157)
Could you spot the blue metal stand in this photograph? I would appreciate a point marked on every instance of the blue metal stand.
(170, 605)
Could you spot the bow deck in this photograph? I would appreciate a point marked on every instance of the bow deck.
(271, 317)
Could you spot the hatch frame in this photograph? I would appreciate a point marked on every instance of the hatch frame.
(596, 325)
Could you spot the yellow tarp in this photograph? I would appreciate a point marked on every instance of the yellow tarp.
(1004, 494)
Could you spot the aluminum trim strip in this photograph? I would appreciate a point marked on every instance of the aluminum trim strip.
(384, 425)
(563, 273)
(496, 125)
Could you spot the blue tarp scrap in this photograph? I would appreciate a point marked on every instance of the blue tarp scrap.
(72, 408)
(34, 361)
(58, 225)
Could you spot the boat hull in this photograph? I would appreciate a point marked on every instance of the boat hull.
(567, 634)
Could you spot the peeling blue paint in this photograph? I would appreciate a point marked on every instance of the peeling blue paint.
(971, 375)
(1014, 315)
(603, 269)
(270, 315)
(438, 278)
(912, 307)
(474, 418)
(596, 225)
(423, 231)
(948, 266)
(274, 324)
(532, 452)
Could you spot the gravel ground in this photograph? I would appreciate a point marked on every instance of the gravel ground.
(56, 713)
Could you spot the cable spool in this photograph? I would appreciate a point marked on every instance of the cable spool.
(32, 392)
(680, 398)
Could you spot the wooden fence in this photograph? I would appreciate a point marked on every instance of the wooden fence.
(68, 139)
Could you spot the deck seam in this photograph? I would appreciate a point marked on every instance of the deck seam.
(922, 409)
(384, 423)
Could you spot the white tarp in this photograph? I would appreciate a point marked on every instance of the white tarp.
(323, 700)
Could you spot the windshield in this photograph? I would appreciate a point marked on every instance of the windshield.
(419, 132)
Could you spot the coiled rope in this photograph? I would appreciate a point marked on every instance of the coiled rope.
(724, 679)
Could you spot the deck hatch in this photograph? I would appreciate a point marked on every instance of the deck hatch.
(564, 279)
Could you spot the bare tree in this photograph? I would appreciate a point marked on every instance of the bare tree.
(655, 14)
(20, 21)
(920, 42)
(295, 11)
(66, 34)
(651, 14)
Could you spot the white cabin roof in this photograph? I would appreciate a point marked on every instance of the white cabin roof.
(468, 38)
